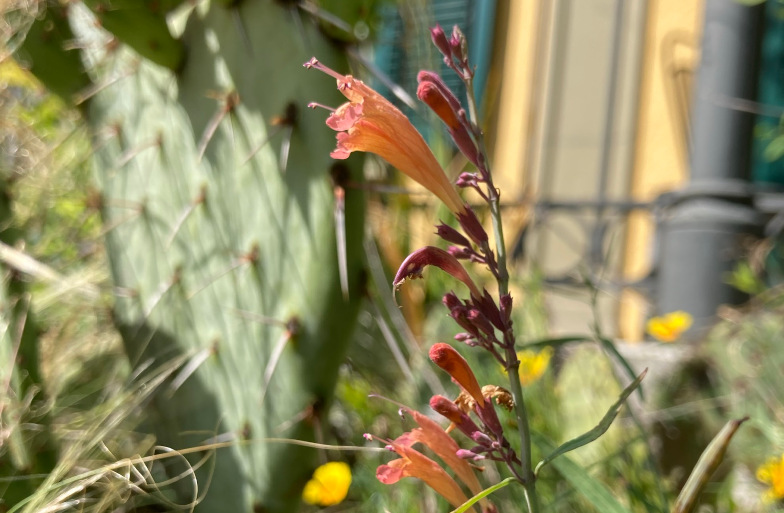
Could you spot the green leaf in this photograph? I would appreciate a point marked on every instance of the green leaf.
(481, 495)
(43, 51)
(144, 29)
(575, 339)
(594, 491)
(608, 345)
(706, 465)
(554, 342)
(599, 430)
(774, 150)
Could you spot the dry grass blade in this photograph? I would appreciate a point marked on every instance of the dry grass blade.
(707, 464)
(24, 263)
(85, 437)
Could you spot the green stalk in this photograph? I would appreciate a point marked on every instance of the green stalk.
(525, 434)
(529, 480)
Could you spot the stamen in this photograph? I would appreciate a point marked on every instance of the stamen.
(314, 63)
(313, 105)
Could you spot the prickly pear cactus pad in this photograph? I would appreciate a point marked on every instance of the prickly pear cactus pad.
(218, 205)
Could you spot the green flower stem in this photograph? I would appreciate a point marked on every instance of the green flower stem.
(525, 433)
(513, 364)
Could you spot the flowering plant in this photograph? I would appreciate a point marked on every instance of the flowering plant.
(368, 122)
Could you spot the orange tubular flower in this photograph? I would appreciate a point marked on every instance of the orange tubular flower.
(413, 463)
(433, 436)
(370, 123)
(446, 357)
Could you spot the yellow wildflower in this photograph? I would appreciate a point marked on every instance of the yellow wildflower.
(772, 473)
(669, 327)
(329, 485)
(533, 364)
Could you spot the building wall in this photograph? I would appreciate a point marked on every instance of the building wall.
(558, 127)
(661, 155)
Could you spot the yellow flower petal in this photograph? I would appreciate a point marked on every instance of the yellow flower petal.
(329, 485)
(669, 327)
(772, 473)
(533, 364)
(764, 474)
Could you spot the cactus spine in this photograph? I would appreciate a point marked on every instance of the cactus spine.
(216, 196)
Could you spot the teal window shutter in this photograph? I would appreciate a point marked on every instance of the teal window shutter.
(401, 50)
(768, 152)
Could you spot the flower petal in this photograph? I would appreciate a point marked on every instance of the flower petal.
(329, 485)
(446, 357)
(374, 125)
(413, 265)
(415, 464)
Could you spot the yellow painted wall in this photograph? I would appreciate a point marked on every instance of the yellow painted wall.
(661, 154)
(512, 79)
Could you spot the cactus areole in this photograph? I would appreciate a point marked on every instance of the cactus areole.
(220, 218)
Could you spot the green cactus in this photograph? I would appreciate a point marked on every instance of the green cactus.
(216, 195)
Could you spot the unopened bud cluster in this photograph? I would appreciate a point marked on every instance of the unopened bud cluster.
(482, 320)
(488, 434)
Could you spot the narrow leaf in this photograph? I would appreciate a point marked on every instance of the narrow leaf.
(481, 495)
(706, 465)
(610, 347)
(599, 430)
(576, 339)
(594, 491)
(555, 342)
(774, 150)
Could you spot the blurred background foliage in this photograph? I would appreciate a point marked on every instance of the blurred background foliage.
(82, 410)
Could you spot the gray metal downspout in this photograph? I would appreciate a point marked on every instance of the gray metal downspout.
(702, 234)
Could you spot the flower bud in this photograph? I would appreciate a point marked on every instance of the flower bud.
(506, 308)
(434, 92)
(476, 318)
(446, 357)
(451, 301)
(459, 314)
(468, 180)
(486, 413)
(460, 253)
(458, 44)
(467, 339)
(440, 41)
(468, 455)
(466, 144)
(472, 226)
(487, 306)
(449, 234)
(448, 409)
(482, 439)
(434, 98)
